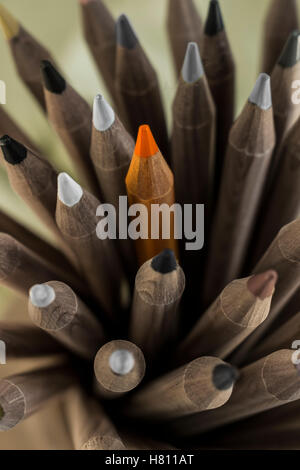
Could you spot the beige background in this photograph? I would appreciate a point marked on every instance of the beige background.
(57, 24)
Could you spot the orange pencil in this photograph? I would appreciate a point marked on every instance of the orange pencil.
(150, 181)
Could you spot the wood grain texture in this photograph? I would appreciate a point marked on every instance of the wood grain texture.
(99, 32)
(282, 256)
(111, 385)
(183, 391)
(69, 321)
(24, 394)
(155, 309)
(219, 67)
(71, 117)
(98, 259)
(281, 19)
(88, 424)
(184, 25)
(234, 315)
(251, 143)
(22, 340)
(268, 383)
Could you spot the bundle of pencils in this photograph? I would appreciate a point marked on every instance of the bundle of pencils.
(139, 332)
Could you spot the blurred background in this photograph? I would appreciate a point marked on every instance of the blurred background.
(57, 25)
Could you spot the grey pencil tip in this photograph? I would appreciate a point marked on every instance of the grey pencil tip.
(42, 295)
(192, 68)
(103, 114)
(290, 54)
(121, 361)
(164, 262)
(214, 22)
(69, 192)
(126, 36)
(261, 93)
(224, 376)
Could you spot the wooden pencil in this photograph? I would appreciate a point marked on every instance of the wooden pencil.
(35, 181)
(20, 268)
(9, 126)
(111, 151)
(136, 85)
(150, 181)
(220, 72)
(283, 257)
(71, 117)
(119, 367)
(281, 19)
(57, 310)
(282, 338)
(89, 426)
(24, 394)
(26, 341)
(27, 53)
(193, 133)
(268, 383)
(98, 260)
(240, 308)
(184, 25)
(99, 32)
(248, 157)
(203, 384)
(154, 320)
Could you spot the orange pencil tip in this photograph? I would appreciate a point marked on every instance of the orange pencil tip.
(145, 144)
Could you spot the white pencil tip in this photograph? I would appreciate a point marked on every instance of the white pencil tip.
(121, 361)
(192, 68)
(103, 114)
(41, 295)
(261, 93)
(69, 192)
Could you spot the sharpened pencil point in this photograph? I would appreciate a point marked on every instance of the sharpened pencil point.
(164, 262)
(291, 51)
(126, 36)
(261, 93)
(214, 22)
(41, 295)
(13, 152)
(52, 79)
(9, 25)
(103, 114)
(69, 192)
(121, 361)
(262, 285)
(192, 68)
(224, 376)
(145, 144)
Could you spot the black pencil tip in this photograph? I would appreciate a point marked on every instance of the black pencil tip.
(290, 54)
(224, 376)
(126, 36)
(164, 262)
(52, 79)
(214, 21)
(13, 151)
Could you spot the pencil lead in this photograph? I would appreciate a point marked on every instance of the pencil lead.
(164, 262)
(103, 114)
(290, 54)
(126, 36)
(69, 192)
(41, 295)
(261, 93)
(9, 25)
(214, 22)
(121, 361)
(262, 285)
(52, 79)
(192, 68)
(13, 152)
(224, 376)
(145, 144)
